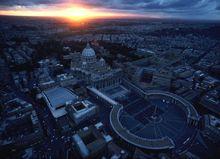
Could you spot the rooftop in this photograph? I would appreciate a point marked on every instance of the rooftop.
(56, 99)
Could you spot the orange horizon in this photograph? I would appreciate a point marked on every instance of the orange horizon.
(76, 12)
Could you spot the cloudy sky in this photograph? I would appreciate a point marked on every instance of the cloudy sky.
(187, 9)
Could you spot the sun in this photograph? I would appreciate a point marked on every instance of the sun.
(77, 13)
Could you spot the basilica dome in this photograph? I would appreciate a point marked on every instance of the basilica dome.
(88, 52)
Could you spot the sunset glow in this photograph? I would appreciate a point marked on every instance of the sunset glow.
(86, 9)
(76, 13)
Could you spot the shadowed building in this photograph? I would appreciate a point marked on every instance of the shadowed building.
(212, 128)
(91, 142)
(81, 110)
(21, 127)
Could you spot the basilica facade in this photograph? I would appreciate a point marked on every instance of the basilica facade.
(93, 71)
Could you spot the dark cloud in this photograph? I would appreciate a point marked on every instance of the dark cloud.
(9, 3)
(183, 8)
(195, 8)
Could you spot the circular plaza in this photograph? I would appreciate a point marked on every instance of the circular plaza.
(158, 121)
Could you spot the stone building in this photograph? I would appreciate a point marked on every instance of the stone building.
(93, 71)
